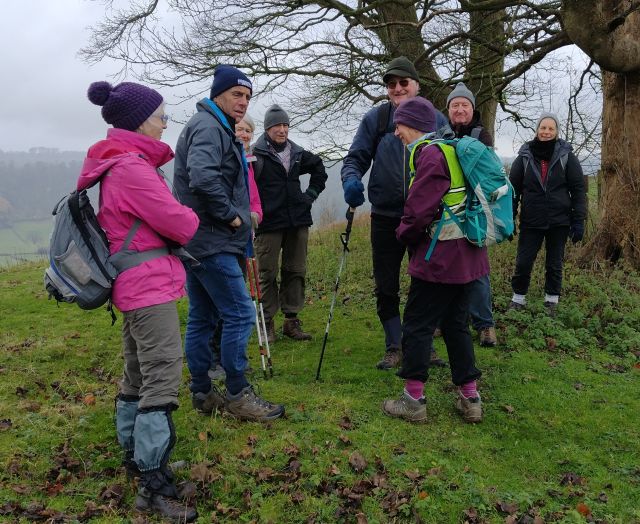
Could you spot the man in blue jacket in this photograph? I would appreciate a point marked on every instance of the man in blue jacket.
(387, 190)
(211, 177)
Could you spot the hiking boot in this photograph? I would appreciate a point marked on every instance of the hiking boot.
(207, 403)
(271, 331)
(470, 408)
(436, 361)
(166, 507)
(515, 306)
(437, 333)
(217, 373)
(292, 328)
(551, 308)
(487, 336)
(392, 359)
(246, 405)
(407, 408)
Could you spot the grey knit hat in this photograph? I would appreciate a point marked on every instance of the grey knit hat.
(552, 116)
(461, 90)
(402, 67)
(275, 115)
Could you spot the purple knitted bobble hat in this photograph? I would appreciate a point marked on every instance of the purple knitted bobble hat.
(416, 113)
(126, 105)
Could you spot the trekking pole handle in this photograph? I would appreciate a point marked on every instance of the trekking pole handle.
(344, 237)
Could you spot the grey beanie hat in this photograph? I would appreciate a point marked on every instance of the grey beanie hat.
(552, 116)
(461, 90)
(402, 67)
(275, 115)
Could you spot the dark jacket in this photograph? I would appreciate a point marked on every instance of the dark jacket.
(467, 130)
(284, 204)
(389, 178)
(452, 261)
(209, 178)
(560, 201)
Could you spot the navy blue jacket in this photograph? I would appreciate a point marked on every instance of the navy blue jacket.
(561, 200)
(389, 178)
(210, 179)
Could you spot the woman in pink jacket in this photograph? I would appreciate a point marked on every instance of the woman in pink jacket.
(133, 192)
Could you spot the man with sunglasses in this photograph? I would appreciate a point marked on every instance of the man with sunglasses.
(387, 190)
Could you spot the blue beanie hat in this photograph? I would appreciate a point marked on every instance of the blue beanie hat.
(126, 105)
(225, 77)
(416, 113)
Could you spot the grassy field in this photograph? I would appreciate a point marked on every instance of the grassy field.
(24, 241)
(559, 442)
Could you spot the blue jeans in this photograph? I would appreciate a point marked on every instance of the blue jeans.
(480, 303)
(217, 290)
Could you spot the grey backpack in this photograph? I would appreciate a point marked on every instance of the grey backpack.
(81, 269)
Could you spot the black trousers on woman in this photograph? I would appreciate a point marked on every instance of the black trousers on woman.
(429, 305)
(529, 243)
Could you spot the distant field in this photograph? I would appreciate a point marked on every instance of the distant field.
(25, 240)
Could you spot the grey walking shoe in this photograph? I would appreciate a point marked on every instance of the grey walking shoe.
(515, 306)
(406, 407)
(392, 359)
(246, 405)
(168, 508)
(208, 403)
(470, 408)
(551, 308)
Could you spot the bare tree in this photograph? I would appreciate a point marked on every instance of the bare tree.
(330, 53)
(608, 31)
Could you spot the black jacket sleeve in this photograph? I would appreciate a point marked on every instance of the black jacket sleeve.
(313, 165)
(577, 190)
(516, 177)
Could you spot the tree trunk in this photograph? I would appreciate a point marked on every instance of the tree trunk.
(618, 232)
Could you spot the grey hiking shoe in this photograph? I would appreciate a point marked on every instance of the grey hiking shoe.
(487, 336)
(392, 359)
(515, 306)
(551, 308)
(166, 507)
(406, 407)
(470, 408)
(246, 405)
(292, 328)
(207, 403)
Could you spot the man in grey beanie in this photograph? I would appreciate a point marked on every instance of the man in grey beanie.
(286, 219)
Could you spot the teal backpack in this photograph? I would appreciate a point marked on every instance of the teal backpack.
(488, 215)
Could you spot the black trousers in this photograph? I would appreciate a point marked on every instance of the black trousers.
(429, 305)
(529, 243)
(387, 254)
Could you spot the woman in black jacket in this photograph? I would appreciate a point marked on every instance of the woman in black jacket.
(549, 186)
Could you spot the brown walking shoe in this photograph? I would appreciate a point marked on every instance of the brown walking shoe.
(246, 405)
(167, 508)
(292, 328)
(271, 331)
(207, 403)
(487, 336)
(392, 359)
(470, 408)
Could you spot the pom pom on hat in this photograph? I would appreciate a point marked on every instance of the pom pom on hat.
(98, 92)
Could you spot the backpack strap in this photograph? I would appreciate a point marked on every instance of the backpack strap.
(384, 116)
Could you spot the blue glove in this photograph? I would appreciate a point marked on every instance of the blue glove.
(576, 231)
(353, 192)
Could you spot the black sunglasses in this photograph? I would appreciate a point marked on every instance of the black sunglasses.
(391, 84)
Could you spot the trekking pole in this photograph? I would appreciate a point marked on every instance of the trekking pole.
(262, 321)
(344, 238)
(252, 288)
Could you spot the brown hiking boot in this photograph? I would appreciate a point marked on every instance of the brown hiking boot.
(246, 405)
(392, 359)
(407, 408)
(487, 336)
(168, 508)
(435, 360)
(470, 408)
(292, 328)
(271, 331)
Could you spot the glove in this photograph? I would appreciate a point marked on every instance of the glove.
(309, 196)
(353, 192)
(576, 231)
(254, 220)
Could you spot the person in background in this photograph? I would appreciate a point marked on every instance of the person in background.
(464, 120)
(212, 177)
(287, 216)
(550, 192)
(132, 191)
(375, 146)
(439, 290)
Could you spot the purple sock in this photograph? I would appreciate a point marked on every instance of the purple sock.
(414, 388)
(469, 390)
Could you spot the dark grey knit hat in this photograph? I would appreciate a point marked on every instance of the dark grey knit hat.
(461, 90)
(402, 67)
(275, 115)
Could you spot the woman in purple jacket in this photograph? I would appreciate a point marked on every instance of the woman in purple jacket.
(438, 294)
(134, 194)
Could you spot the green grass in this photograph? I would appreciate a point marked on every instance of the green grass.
(559, 439)
(26, 236)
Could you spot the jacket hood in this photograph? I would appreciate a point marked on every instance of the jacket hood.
(119, 145)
